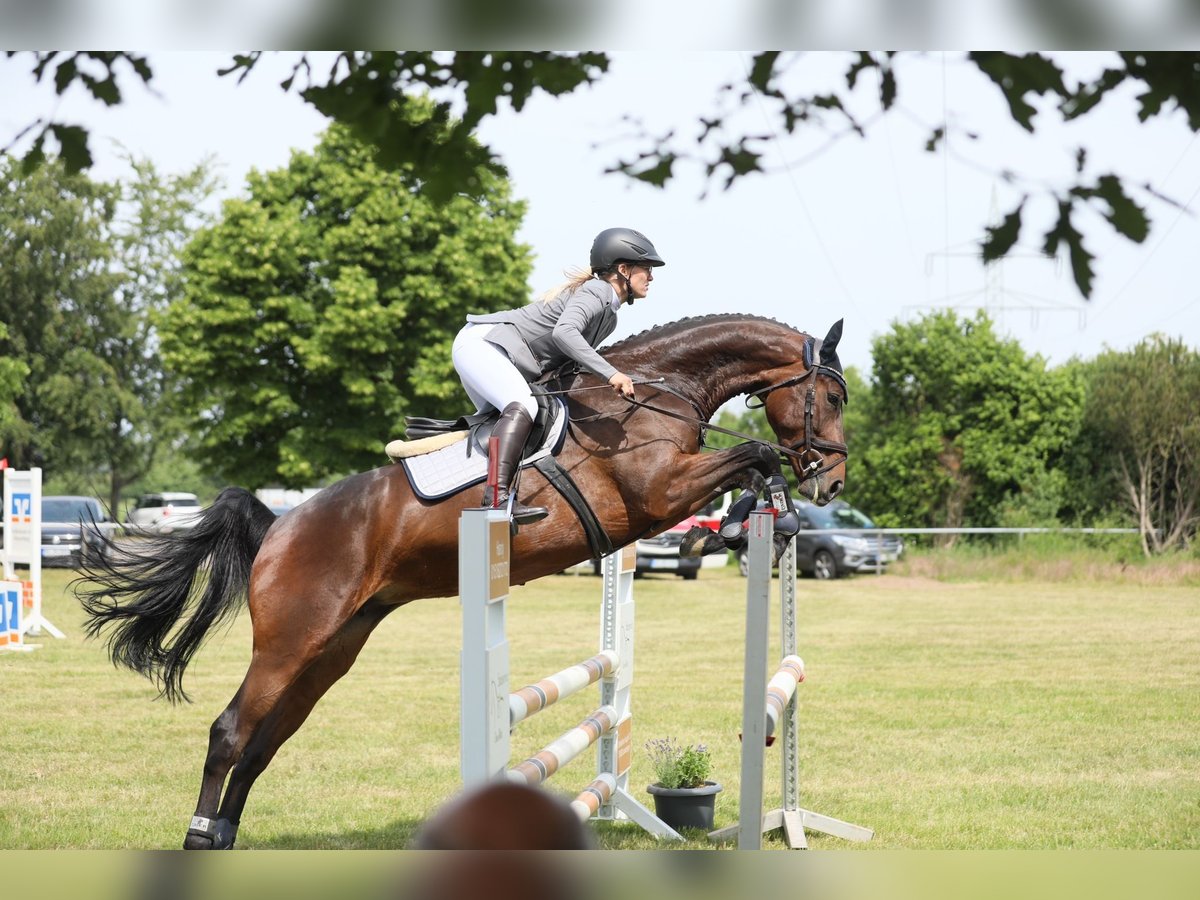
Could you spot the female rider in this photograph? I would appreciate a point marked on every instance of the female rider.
(497, 355)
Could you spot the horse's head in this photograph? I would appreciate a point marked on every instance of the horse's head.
(805, 412)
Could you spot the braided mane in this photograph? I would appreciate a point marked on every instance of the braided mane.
(710, 358)
(671, 329)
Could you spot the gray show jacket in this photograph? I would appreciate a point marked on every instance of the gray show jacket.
(543, 336)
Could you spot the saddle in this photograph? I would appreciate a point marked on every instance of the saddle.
(445, 456)
(477, 426)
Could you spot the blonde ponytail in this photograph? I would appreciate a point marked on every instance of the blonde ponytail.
(577, 276)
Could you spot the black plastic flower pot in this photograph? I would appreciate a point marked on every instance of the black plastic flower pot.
(686, 807)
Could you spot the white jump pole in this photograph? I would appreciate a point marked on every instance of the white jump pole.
(483, 567)
(615, 755)
(489, 711)
(763, 705)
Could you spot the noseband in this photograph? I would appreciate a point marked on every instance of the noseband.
(811, 445)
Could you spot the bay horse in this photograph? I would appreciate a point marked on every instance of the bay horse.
(367, 545)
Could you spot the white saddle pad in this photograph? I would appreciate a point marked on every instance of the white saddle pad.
(448, 470)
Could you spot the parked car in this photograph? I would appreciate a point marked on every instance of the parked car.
(67, 529)
(658, 554)
(840, 551)
(163, 513)
(661, 553)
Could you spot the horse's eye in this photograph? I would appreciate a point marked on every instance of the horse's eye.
(835, 400)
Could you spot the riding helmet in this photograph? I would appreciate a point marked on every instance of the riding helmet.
(617, 245)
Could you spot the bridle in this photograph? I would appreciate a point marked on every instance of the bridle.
(812, 445)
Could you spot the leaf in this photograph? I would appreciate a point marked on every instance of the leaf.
(1126, 216)
(73, 144)
(934, 139)
(1017, 76)
(64, 75)
(243, 62)
(1089, 95)
(1081, 259)
(887, 87)
(740, 161)
(762, 70)
(1168, 76)
(105, 91)
(658, 174)
(35, 156)
(864, 61)
(140, 66)
(1001, 238)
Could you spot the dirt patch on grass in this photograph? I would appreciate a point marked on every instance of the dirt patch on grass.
(1012, 565)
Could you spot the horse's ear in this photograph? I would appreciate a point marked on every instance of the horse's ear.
(808, 352)
(829, 345)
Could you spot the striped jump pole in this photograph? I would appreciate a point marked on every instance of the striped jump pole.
(595, 795)
(780, 690)
(780, 694)
(536, 697)
(538, 768)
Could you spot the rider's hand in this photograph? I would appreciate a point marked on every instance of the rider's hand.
(622, 383)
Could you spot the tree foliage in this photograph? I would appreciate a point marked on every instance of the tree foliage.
(725, 152)
(13, 373)
(57, 292)
(377, 95)
(322, 307)
(960, 426)
(1141, 426)
(83, 265)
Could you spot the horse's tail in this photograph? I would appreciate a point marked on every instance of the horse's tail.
(139, 595)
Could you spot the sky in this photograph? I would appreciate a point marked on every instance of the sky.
(873, 230)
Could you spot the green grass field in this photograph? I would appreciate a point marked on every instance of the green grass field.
(1039, 712)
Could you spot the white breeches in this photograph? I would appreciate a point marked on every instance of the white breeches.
(490, 378)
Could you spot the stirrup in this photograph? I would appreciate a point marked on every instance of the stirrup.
(520, 514)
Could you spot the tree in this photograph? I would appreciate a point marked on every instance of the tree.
(157, 216)
(374, 94)
(960, 424)
(83, 265)
(56, 295)
(321, 309)
(1140, 421)
(13, 373)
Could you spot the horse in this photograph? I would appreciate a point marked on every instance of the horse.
(366, 545)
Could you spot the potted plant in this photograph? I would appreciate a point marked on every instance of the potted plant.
(683, 795)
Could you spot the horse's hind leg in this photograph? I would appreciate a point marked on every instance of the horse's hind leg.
(291, 709)
(206, 832)
(267, 681)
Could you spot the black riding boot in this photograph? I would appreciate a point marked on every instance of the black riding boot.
(512, 430)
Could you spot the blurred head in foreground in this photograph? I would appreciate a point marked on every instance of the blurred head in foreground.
(490, 823)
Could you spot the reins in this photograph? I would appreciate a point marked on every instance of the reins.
(798, 452)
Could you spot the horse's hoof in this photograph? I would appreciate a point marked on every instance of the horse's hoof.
(787, 524)
(207, 834)
(694, 542)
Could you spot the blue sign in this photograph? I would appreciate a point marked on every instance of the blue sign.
(22, 507)
(12, 611)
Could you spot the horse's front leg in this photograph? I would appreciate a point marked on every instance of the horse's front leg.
(760, 475)
(696, 478)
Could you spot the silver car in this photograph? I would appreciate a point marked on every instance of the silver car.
(163, 513)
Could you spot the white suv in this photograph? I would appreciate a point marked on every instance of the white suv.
(164, 513)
